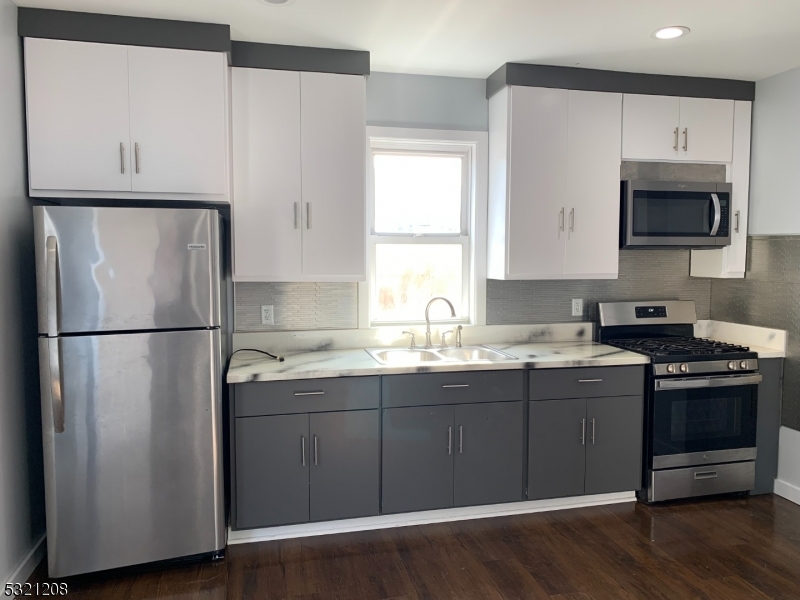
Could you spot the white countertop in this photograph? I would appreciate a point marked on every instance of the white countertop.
(768, 343)
(250, 366)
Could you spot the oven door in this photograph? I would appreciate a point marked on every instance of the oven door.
(671, 214)
(704, 420)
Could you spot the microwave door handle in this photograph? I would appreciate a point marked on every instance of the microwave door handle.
(717, 215)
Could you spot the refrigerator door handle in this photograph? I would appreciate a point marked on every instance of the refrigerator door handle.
(52, 286)
(56, 385)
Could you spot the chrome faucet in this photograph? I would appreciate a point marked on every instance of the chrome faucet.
(428, 319)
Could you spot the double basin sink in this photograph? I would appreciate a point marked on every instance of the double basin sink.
(408, 356)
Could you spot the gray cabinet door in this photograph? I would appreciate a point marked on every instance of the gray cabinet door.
(418, 450)
(614, 444)
(488, 453)
(556, 448)
(345, 464)
(272, 463)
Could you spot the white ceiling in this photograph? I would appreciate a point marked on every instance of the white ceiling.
(740, 39)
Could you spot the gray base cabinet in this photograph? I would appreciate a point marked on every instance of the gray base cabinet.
(417, 458)
(345, 465)
(488, 459)
(272, 469)
(614, 447)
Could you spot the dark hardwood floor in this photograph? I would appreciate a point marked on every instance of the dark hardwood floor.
(713, 549)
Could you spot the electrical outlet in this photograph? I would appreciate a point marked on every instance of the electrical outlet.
(577, 307)
(267, 316)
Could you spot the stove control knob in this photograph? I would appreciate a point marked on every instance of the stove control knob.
(670, 368)
(684, 368)
(732, 366)
(743, 364)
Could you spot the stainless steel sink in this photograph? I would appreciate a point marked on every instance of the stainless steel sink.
(474, 353)
(408, 356)
(403, 356)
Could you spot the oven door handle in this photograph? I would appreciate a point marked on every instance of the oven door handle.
(717, 214)
(707, 382)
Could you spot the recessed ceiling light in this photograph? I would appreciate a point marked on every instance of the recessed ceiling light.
(670, 33)
(278, 2)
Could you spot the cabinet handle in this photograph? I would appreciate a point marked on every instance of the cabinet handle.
(316, 452)
(572, 220)
(592, 431)
(675, 147)
(122, 158)
(461, 439)
(309, 393)
(590, 381)
(456, 385)
(449, 440)
(686, 139)
(705, 475)
(308, 215)
(737, 215)
(303, 449)
(296, 214)
(583, 432)
(136, 156)
(560, 222)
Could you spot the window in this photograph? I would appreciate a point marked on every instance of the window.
(422, 196)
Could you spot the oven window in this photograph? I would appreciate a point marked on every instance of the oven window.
(682, 214)
(702, 420)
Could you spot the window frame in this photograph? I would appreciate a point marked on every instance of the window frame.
(472, 146)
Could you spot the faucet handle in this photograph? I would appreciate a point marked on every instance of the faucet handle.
(413, 339)
(458, 336)
(444, 336)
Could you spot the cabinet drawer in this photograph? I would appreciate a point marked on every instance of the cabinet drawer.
(590, 382)
(306, 396)
(452, 388)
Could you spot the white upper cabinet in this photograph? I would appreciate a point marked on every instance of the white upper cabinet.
(266, 174)
(89, 106)
(77, 113)
(177, 104)
(669, 128)
(554, 164)
(299, 154)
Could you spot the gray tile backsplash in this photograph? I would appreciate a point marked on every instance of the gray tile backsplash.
(768, 296)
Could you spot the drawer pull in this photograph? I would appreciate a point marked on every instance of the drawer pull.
(456, 385)
(590, 381)
(705, 475)
(309, 393)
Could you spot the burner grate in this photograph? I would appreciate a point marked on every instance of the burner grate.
(678, 346)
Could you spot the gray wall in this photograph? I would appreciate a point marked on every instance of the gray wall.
(768, 296)
(775, 162)
(426, 101)
(21, 480)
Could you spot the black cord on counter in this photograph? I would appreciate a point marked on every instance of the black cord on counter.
(279, 358)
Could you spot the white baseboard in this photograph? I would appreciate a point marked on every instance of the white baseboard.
(787, 484)
(423, 518)
(29, 563)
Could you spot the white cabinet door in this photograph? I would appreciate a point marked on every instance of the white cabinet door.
(537, 175)
(706, 130)
(593, 192)
(77, 113)
(266, 175)
(650, 127)
(177, 119)
(333, 148)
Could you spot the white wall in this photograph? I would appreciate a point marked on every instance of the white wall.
(427, 102)
(21, 481)
(775, 156)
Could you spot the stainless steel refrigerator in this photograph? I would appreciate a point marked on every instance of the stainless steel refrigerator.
(129, 304)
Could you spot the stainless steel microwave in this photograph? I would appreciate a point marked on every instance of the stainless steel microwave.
(675, 214)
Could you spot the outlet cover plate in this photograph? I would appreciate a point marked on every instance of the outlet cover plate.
(267, 315)
(577, 307)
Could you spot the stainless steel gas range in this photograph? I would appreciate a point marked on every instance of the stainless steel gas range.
(702, 397)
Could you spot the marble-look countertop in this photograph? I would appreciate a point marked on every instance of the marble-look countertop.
(249, 366)
(768, 343)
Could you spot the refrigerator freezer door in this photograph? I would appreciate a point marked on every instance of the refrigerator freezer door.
(136, 474)
(123, 269)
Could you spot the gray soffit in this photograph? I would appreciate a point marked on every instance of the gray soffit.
(594, 80)
(299, 58)
(130, 31)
